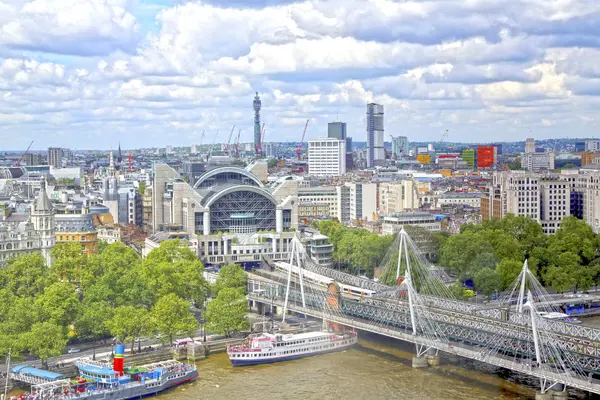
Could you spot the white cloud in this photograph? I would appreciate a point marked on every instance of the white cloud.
(79, 67)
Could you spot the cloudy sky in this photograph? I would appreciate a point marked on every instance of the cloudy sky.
(91, 73)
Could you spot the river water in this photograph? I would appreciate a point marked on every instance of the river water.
(378, 369)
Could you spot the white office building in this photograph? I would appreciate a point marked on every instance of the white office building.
(327, 157)
(537, 161)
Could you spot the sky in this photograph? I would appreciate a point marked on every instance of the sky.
(88, 74)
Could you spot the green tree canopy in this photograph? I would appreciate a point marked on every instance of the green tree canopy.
(226, 314)
(487, 281)
(172, 316)
(129, 322)
(59, 304)
(45, 340)
(231, 276)
(69, 261)
(508, 270)
(26, 275)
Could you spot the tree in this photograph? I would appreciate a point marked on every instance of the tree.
(69, 261)
(487, 281)
(26, 275)
(172, 316)
(92, 323)
(231, 276)
(45, 340)
(141, 188)
(272, 163)
(508, 270)
(175, 269)
(226, 314)
(464, 252)
(59, 303)
(129, 322)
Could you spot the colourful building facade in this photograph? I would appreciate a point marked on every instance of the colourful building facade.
(485, 156)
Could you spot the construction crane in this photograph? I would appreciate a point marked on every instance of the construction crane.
(444, 136)
(236, 145)
(18, 163)
(227, 150)
(299, 148)
(209, 155)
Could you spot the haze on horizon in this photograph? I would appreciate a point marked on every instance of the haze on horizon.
(92, 73)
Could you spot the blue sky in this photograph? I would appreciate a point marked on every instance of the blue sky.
(91, 73)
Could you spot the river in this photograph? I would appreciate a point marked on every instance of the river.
(372, 370)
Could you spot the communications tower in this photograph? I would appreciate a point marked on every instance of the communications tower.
(257, 144)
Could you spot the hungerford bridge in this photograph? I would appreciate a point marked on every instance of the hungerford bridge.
(513, 332)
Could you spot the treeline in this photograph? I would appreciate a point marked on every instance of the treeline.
(356, 250)
(492, 253)
(111, 294)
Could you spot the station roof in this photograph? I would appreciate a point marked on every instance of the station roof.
(92, 369)
(39, 373)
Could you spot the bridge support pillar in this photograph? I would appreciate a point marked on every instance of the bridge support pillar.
(559, 395)
(261, 308)
(543, 396)
(419, 362)
(433, 360)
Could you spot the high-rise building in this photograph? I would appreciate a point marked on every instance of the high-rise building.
(337, 130)
(468, 155)
(579, 146)
(327, 157)
(592, 145)
(486, 156)
(257, 145)
(530, 145)
(375, 151)
(399, 146)
(55, 157)
(194, 149)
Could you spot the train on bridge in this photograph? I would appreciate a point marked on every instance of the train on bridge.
(324, 281)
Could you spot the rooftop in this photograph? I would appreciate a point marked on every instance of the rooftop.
(39, 373)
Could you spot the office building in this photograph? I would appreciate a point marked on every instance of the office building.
(55, 157)
(537, 161)
(579, 146)
(399, 147)
(398, 196)
(468, 156)
(256, 105)
(375, 131)
(592, 145)
(337, 130)
(327, 157)
(486, 156)
(530, 145)
(394, 222)
(363, 201)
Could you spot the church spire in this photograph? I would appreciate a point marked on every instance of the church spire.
(43, 204)
(111, 164)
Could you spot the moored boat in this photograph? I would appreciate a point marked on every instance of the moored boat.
(269, 348)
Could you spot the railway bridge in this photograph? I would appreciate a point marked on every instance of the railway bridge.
(510, 333)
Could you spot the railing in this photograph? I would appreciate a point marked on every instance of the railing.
(544, 372)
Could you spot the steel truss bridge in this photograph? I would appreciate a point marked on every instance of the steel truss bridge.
(559, 354)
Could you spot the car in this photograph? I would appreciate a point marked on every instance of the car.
(74, 350)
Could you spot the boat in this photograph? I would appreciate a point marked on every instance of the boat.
(269, 348)
(98, 380)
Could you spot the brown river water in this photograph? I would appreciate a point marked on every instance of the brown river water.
(371, 370)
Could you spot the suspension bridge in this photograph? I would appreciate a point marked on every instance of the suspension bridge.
(413, 303)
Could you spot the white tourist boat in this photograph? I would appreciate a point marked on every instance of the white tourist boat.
(269, 348)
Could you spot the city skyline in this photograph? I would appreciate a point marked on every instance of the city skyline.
(160, 73)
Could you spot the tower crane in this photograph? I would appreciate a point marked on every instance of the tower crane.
(299, 148)
(227, 149)
(443, 137)
(236, 145)
(18, 163)
(209, 155)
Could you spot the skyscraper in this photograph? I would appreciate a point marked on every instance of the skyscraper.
(257, 145)
(375, 152)
(55, 157)
(336, 130)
